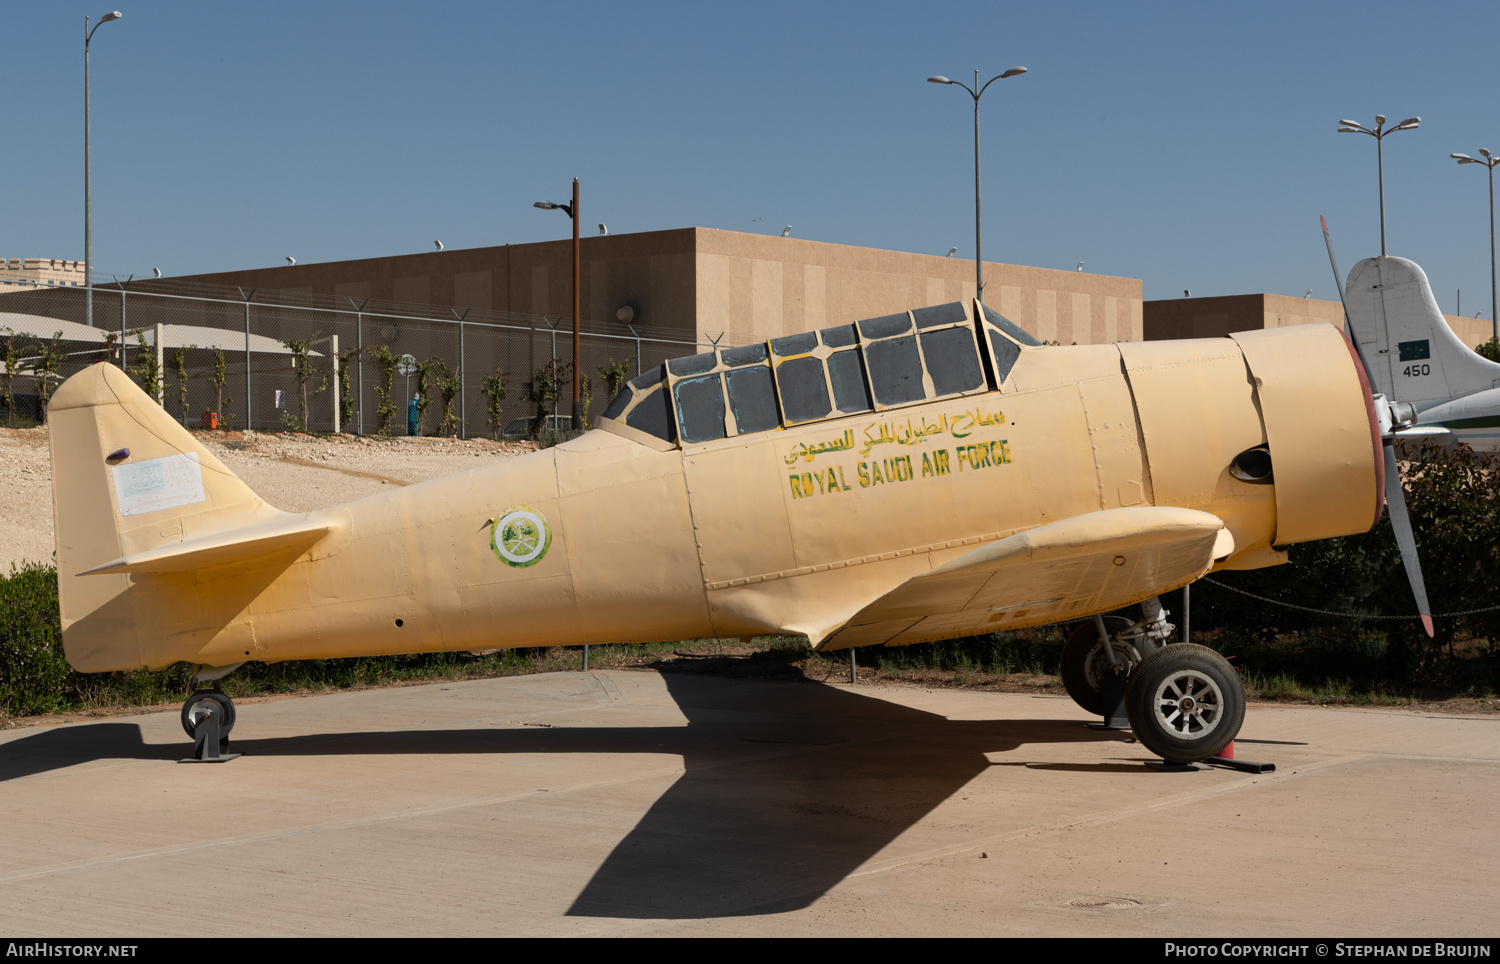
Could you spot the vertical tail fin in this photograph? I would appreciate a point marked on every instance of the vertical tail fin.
(127, 479)
(1413, 353)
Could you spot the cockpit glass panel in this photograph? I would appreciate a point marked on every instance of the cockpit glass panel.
(700, 408)
(948, 314)
(649, 377)
(794, 344)
(752, 398)
(885, 326)
(846, 373)
(652, 415)
(748, 355)
(952, 360)
(841, 337)
(1009, 327)
(1006, 353)
(895, 370)
(620, 403)
(693, 364)
(804, 389)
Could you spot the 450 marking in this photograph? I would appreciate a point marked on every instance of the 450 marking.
(1414, 370)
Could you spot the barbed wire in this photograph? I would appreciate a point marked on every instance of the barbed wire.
(1331, 612)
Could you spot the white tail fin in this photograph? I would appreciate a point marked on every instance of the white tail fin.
(134, 495)
(1415, 355)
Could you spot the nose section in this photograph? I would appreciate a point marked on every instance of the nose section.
(1321, 430)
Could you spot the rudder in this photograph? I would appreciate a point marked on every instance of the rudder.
(127, 479)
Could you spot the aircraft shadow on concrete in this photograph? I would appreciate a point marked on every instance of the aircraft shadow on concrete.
(786, 789)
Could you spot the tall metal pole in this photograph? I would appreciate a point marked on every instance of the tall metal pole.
(88, 199)
(359, 344)
(1379, 132)
(577, 399)
(463, 421)
(1380, 174)
(249, 406)
(976, 92)
(88, 221)
(1489, 161)
(1494, 315)
(978, 235)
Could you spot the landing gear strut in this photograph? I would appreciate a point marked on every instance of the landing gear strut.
(1183, 701)
(207, 717)
(1087, 662)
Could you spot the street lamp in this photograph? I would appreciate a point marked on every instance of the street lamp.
(571, 210)
(88, 220)
(975, 93)
(1353, 127)
(1489, 161)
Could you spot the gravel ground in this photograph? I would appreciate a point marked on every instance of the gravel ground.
(290, 471)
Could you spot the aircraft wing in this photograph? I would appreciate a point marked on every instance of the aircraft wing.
(1079, 566)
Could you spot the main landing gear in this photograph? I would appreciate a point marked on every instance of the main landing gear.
(1183, 701)
(207, 717)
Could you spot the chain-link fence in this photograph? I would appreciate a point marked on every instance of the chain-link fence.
(253, 356)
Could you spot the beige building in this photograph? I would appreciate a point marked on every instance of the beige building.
(18, 274)
(1216, 317)
(743, 287)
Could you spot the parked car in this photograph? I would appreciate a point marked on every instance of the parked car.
(521, 428)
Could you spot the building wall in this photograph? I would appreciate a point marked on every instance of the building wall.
(1217, 317)
(25, 273)
(720, 284)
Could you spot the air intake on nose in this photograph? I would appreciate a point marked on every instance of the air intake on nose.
(1253, 466)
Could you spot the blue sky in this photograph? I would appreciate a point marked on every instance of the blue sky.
(1191, 145)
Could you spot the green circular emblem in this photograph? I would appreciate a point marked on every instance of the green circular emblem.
(520, 536)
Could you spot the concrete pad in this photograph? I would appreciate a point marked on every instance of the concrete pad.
(611, 803)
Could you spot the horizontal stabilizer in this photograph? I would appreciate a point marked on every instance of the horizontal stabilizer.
(1483, 404)
(1079, 566)
(220, 548)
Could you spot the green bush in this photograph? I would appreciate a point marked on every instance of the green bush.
(32, 668)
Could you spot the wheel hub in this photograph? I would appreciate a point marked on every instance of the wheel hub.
(1189, 704)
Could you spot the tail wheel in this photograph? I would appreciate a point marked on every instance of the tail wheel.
(1185, 703)
(202, 703)
(1085, 663)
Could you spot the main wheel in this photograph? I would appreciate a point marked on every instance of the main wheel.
(198, 706)
(1185, 702)
(1085, 663)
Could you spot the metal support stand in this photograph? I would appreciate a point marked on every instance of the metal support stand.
(208, 745)
(1112, 689)
(585, 658)
(853, 667)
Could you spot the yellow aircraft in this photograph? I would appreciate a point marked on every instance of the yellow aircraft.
(929, 474)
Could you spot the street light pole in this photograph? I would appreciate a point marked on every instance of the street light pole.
(1353, 127)
(1489, 161)
(975, 92)
(88, 219)
(572, 212)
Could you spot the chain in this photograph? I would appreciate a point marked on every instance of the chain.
(1330, 612)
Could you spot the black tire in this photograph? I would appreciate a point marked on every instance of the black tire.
(1084, 661)
(192, 711)
(1185, 702)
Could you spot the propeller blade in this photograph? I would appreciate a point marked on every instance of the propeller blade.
(1395, 502)
(1338, 282)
